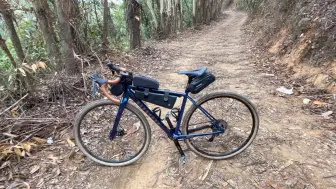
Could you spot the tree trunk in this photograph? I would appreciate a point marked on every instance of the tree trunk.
(5, 49)
(86, 25)
(151, 9)
(105, 42)
(80, 46)
(4, 5)
(204, 11)
(133, 23)
(45, 22)
(179, 14)
(194, 13)
(111, 28)
(163, 17)
(63, 13)
(7, 16)
(96, 14)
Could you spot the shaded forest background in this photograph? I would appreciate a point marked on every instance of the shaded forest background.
(62, 37)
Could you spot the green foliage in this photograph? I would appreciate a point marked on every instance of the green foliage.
(31, 39)
(4, 60)
(248, 5)
(119, 20)
(147, 25)
(88, 28)
(187, 13)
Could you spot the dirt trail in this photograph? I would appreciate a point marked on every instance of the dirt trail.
(292, 149)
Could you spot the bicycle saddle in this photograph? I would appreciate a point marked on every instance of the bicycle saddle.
(194, 72)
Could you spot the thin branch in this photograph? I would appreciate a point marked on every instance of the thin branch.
(14, 104)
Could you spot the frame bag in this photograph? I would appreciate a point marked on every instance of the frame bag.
(165, 100)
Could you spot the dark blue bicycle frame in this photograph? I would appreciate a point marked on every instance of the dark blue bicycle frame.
(175, 133)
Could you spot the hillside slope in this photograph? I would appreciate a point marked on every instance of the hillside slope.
(300, 34)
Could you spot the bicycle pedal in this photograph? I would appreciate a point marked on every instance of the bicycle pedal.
(183, 160)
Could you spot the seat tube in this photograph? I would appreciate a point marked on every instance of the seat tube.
(180, 116)
(123, 103)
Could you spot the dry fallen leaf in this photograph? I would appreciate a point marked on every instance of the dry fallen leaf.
(70, 143)
(54, 160)
(327, 114)
(306, 101)
(316, 102)
(18, 151)
(39, 140)
(27, 146)
(26, 65)
(34, 67)
(40, 183)
(14, 112)
(23, 73)
(42, 65)
(6, 151)
(34, 169)
(5, 164)
(57, 171)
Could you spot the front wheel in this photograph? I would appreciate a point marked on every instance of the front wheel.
(235, 114)
(93, 124)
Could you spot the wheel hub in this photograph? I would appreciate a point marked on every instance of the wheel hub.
(220, 126)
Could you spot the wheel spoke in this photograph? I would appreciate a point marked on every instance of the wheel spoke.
(234, 114)
(95, 125)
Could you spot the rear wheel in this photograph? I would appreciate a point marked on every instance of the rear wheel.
(234, 113)
(91, 130)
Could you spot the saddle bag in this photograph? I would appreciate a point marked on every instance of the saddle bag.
(199, 83)
(165, 100)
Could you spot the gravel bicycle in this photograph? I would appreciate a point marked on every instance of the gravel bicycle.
(115, 132)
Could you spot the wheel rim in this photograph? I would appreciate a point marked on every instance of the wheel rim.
(95, 126)
(240, 126)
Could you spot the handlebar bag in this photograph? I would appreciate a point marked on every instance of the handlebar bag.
(117, 89)
(165, 100)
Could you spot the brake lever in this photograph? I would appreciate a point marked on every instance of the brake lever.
(94, 88)
(115, 68)
(110, 66)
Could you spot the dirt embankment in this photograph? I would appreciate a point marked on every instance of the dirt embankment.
(301, 35)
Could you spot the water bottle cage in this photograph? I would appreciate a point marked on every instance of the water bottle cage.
(157, 112)
(173, 112)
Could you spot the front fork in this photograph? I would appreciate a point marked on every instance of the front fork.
(114, 130)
